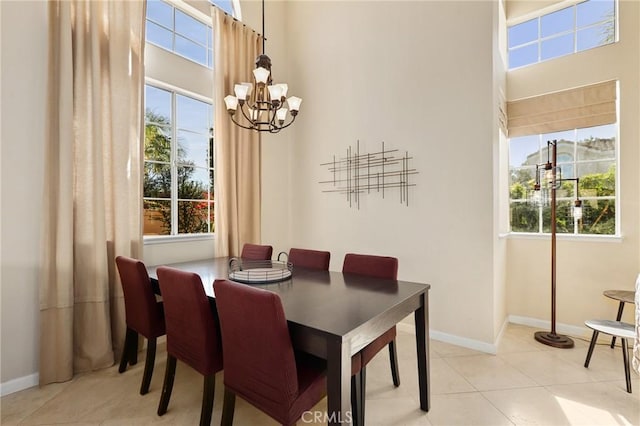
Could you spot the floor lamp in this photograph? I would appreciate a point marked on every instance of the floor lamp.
(549, 175)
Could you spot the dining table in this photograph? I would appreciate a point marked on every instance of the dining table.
(333, 315)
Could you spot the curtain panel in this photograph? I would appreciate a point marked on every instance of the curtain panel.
(586, 106)
(237, 150)
(93, 181)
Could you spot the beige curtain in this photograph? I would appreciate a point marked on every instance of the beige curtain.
(586, 106)
(93, 188)
(237, 150)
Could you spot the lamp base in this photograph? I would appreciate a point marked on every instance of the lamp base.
(552, 339)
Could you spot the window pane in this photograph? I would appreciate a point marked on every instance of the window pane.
(521, 181)
(160, 12)
(192, 114)
(211, 186)
(523, 56)
(194, 149)
(557, 22)
(157, 143)
(225, 5)
(524, 217)
(597, 178)
(524, 150)
(557, 46)
(191, 28)
(193, 217)
(590, 12)
(594, 36)
(157, 217)
(159, 36)
(596, 143)
(191, 50)
(193, 183)
(523, 33)
(157, 104)
(157, 180)
(598, 217)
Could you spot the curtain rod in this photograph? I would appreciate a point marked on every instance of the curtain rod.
(237, 20)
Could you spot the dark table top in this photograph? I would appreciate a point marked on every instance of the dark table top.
(333, 302)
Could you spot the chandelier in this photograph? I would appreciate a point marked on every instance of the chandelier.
(262, 103)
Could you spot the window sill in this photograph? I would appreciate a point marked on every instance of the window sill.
(164, 239)
(564, 237)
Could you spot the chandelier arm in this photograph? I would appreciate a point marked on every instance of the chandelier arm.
(239, 124)
(244, 113)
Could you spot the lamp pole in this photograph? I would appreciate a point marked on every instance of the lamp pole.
(552, 338)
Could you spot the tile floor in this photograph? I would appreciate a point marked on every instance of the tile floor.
(526, 383)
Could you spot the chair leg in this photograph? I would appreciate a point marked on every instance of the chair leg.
(228, 408)
(130, 339)
(133, 350)
(592, 345)
(167, 386)
(363, 394)
(148, 366)
(393, 359)
(356, 397)
(625, 358)
(618, 318)
(207, 399)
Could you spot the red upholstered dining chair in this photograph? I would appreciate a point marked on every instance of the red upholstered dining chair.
(260, 363)
(256, 252)
(378, 267)
(192, 335)
(144, 315)
(310, 259)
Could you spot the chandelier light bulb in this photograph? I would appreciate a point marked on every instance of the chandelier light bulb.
(281, 115)
(284, 89)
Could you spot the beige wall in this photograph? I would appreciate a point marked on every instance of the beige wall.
(374, 71)
(23, 79)
(585, 267)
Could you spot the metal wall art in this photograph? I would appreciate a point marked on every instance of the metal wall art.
(359, 173)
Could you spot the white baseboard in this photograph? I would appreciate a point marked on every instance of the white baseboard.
(19, 384)
(453, 339)
(490, 348)
(572, 330)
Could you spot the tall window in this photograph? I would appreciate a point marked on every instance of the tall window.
(178, 178)
(178, 194)
(588, 154)
(583, 26)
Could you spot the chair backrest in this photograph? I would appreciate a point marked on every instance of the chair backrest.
(256, 252)
(311, 259)
(371, 266)
(192, 332)
(142, 311)
(258, 354)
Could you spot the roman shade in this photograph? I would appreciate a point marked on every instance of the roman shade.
(585, 106)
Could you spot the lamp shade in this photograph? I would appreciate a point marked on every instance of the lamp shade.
(261, 75)
(284, 87)
(275, 91)
(241, 91)
(294, 103)
(231, 102)
(281, 114)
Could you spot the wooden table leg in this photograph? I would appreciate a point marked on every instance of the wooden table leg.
(618, 318)
(422, 345)
(338, 383)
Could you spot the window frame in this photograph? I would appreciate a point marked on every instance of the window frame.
(573, 31)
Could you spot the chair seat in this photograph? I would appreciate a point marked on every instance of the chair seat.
(372, 349)
(613, 328)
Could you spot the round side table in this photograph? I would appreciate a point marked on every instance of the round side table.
(623, 296)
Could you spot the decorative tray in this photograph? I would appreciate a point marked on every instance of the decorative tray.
(258, 271)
